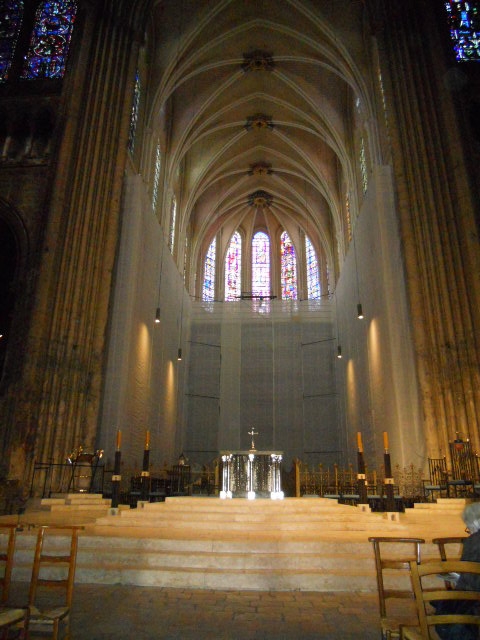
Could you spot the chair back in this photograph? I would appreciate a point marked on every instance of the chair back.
(7, 533)
(429, 586)
(52, 569)
(447, 543)
(443, 543)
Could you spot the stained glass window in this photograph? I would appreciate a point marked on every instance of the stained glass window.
(173, 220)
(50, 39)
(10, 22)
(349, 220)
(209, 273)
(134, 114)
(156, 176)
(288, 268)
(313, 275)
(363, 166)
(464, 22)
(233, 268)
(261, 264)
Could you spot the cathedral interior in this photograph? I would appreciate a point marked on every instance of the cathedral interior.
(220, 218)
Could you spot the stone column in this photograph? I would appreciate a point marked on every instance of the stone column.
(62, 384)
(436, 207)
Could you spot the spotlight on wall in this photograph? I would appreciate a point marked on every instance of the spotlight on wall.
(157, 316)
(339, 352)
(359, 311)
(179, 356)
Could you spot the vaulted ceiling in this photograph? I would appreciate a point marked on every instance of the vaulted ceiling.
(260, 103)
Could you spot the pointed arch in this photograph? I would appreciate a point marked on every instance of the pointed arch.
(288, 268)
(313, 271)
(261, 264)
(208, 291)
(233, 268)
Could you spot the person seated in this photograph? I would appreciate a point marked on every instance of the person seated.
(465, 582)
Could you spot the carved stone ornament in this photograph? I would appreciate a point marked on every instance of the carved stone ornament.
(259, 121)
(260, 169)
(260, 199)
(257, 61)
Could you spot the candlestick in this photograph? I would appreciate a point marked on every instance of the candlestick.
(359, 441)
(385, 440)
(147, 440)
(119, 440)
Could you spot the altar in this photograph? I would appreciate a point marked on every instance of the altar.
(251, 474)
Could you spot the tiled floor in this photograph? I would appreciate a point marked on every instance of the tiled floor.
(148, 613)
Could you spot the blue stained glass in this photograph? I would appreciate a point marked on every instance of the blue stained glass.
(313, 275)
(288, 268)
(261, 264)
(10, 22)
(209, 273)
(50, 39)
(464, 22)
(233, 268)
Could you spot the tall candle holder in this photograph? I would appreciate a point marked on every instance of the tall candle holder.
(361, 475)
(389, 481)
(116, 477)
(145, 476)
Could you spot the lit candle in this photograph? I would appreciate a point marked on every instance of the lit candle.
(385, 440)
(119, 440)
(359, 441)
(147, 440)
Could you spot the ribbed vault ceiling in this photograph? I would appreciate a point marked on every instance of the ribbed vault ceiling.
(259, 96)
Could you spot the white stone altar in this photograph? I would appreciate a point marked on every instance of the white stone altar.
(251, 474)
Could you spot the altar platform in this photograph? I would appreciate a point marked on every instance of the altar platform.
(295, 544)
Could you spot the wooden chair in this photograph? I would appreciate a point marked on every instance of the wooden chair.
(389, 565)
(9, 617)
(442, 544)
(49, 616)
(428, 587)
(438, 478)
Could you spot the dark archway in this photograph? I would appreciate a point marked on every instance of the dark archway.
(9, 267)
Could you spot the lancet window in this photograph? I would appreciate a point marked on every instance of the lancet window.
(156, 176)
(261, 264)
(134, 113)
(208, 293)
(173, 221)
(233, 268)
(288, 268)
(313, 273)
(11, 14)
(50, 40)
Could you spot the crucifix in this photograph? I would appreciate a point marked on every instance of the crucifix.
(253, 433)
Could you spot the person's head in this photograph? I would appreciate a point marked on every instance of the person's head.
(471, 517)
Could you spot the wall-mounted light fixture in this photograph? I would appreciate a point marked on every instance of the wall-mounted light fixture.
(360, 315)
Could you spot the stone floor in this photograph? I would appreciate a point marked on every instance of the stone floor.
(148, 613)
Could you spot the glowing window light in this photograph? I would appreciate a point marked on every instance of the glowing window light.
(288, 268)
(464, 21)
(209, 273)
(233, 268)
(50, 40)
(261, 264)
(10, 20)
(173, 220)
(134, 113)
(313, 275)
(156, 176)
